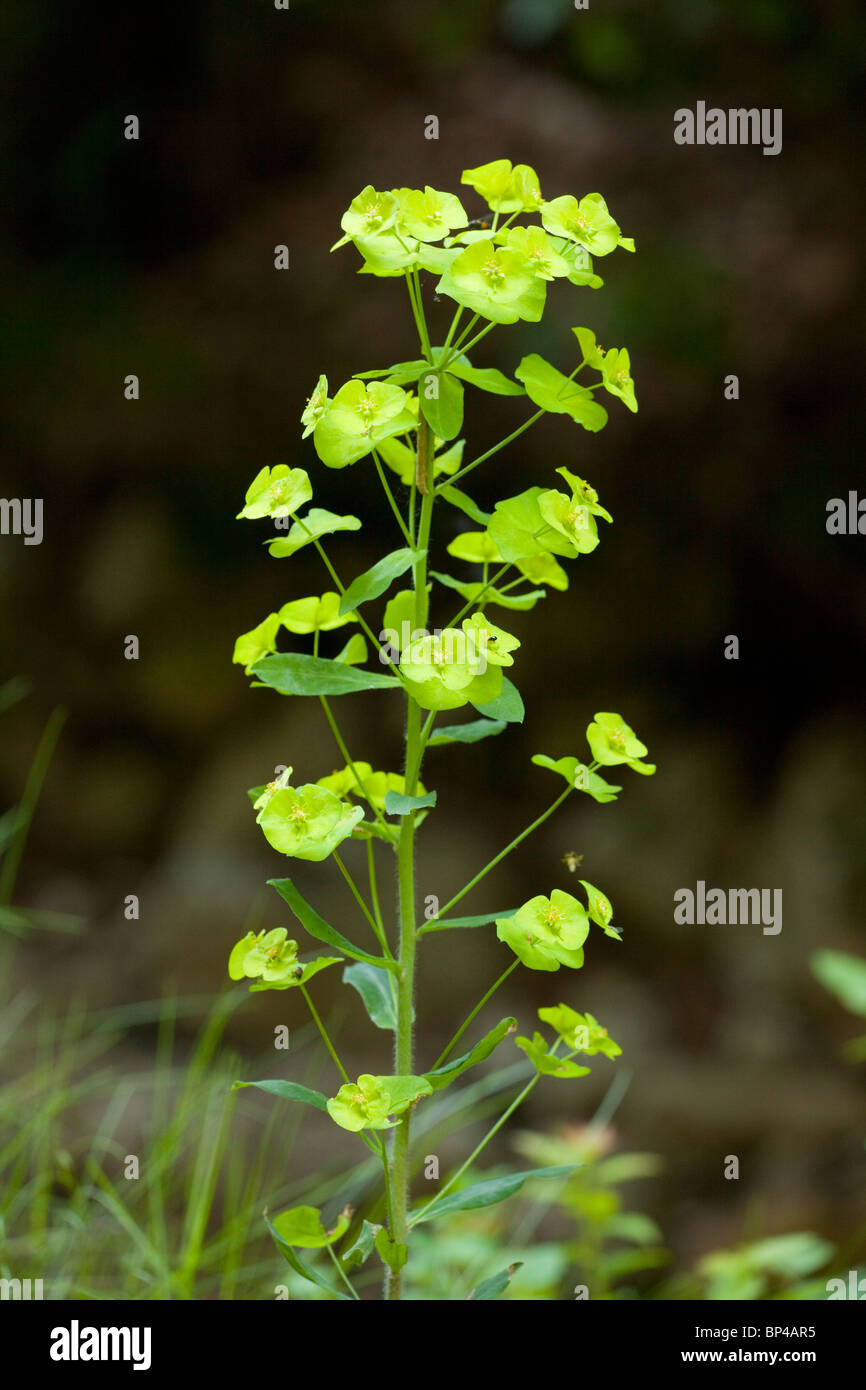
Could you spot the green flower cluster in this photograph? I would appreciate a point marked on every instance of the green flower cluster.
(530, 530)
(307, 822)
(272, 960)
(302, 615)
(546, 933)
(276, 492)
(580, 1032)
(612, 742)
(458, 666)
(372, 1101)
(360, 780)
(498, 273)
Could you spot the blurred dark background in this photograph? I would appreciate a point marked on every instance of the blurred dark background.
(155, 257)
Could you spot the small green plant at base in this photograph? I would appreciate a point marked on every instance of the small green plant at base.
(405, 422)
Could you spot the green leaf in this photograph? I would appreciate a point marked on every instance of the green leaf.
(375, 992)
(390, 1252)
(486, 378)
(279, 491)
(508, 705)
(440, 396)
(12, 691)
(578, 776)
(362, 1247)
(378, 578)
(472, 590)
(496, 1284)
(319, 928)
(505, 188)
(471, 732)
(397, 804)
(287, 1090)
(298, 1265)
(555, 392)
(302, 1226)
(520, 531)
(844, 976)
(444, 1075)
(463, 503)
(487, 1193)
(546, 1064)
(399, 374)
(296, 673)
(317, 613)
(465, 922)
(309, 528)
(256, 644)
(500, 285)
(355, 651)
(358, 418)
(587, 222)
(307, 971)
(372, 1101)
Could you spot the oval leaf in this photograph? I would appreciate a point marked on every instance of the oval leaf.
(398, 804)
(508, 705)
(362, 1247)
(486, 378)
(466, 922)
(487, 1193)
(319, 928)
(496, 1284)
(389, 1251)
(302, 1226)
(443, 1076)
(287, 1090)
(440, 396)
(378, 578)
(375, 992)
(298, 1265)
(472, 732)
(316, 523)
(296, 673)
(463, 502)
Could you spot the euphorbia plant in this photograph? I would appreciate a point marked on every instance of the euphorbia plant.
(405, 422)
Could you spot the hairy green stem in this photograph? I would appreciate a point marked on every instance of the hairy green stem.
(403, 1046)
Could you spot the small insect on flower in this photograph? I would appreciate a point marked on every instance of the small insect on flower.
(572, 861)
